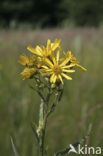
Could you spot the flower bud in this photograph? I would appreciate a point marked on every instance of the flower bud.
(53, 85)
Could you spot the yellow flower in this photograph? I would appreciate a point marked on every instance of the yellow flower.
(72, 60)
(57, 70)
(36, 61)
(39, 63)
(47, 51)
(32, 60)
(24, 60)
(56, 44)
(28, 73)
(46, 61)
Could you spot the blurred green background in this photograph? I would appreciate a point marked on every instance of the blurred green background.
(79, 24)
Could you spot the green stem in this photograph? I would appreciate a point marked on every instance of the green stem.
(45, 111)
(43, 150)
(42, 123)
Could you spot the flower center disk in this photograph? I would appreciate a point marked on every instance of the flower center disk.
(57, 69)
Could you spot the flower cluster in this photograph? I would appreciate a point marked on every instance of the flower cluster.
(50, 62)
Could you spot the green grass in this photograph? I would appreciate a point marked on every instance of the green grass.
(82, 102)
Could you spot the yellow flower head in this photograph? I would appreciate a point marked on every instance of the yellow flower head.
(24, 60)
(27, 73)
(55, 70)
(32, 60)
(45, 60)
(36, 61)
(47, 51)
(72, 60)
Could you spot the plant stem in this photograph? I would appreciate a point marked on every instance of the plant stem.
(45, 111)
(43, 150)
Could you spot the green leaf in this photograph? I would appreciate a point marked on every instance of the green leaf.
(33, 126)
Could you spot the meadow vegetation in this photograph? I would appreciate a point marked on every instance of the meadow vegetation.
(82, 102)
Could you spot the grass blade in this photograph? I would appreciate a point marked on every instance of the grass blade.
(14, 148)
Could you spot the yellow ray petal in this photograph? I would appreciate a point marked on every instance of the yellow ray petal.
(31, 49)
(55, 45)
(46, 74)
(65, 61)
(51, 78)
(45, 67)
(66, 76)
(45, 70)
(48, 45)
(71, 65)
(39, 50)
(84, 69)
(57, 57)
(68, 71)
(54, 60)
(49, 62)
(54, 79)
(60, 79)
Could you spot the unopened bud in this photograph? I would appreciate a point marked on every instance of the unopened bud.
(41, 85)
(53, 85)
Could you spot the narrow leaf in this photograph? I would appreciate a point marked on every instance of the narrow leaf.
(66, 150)
(33, 126)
